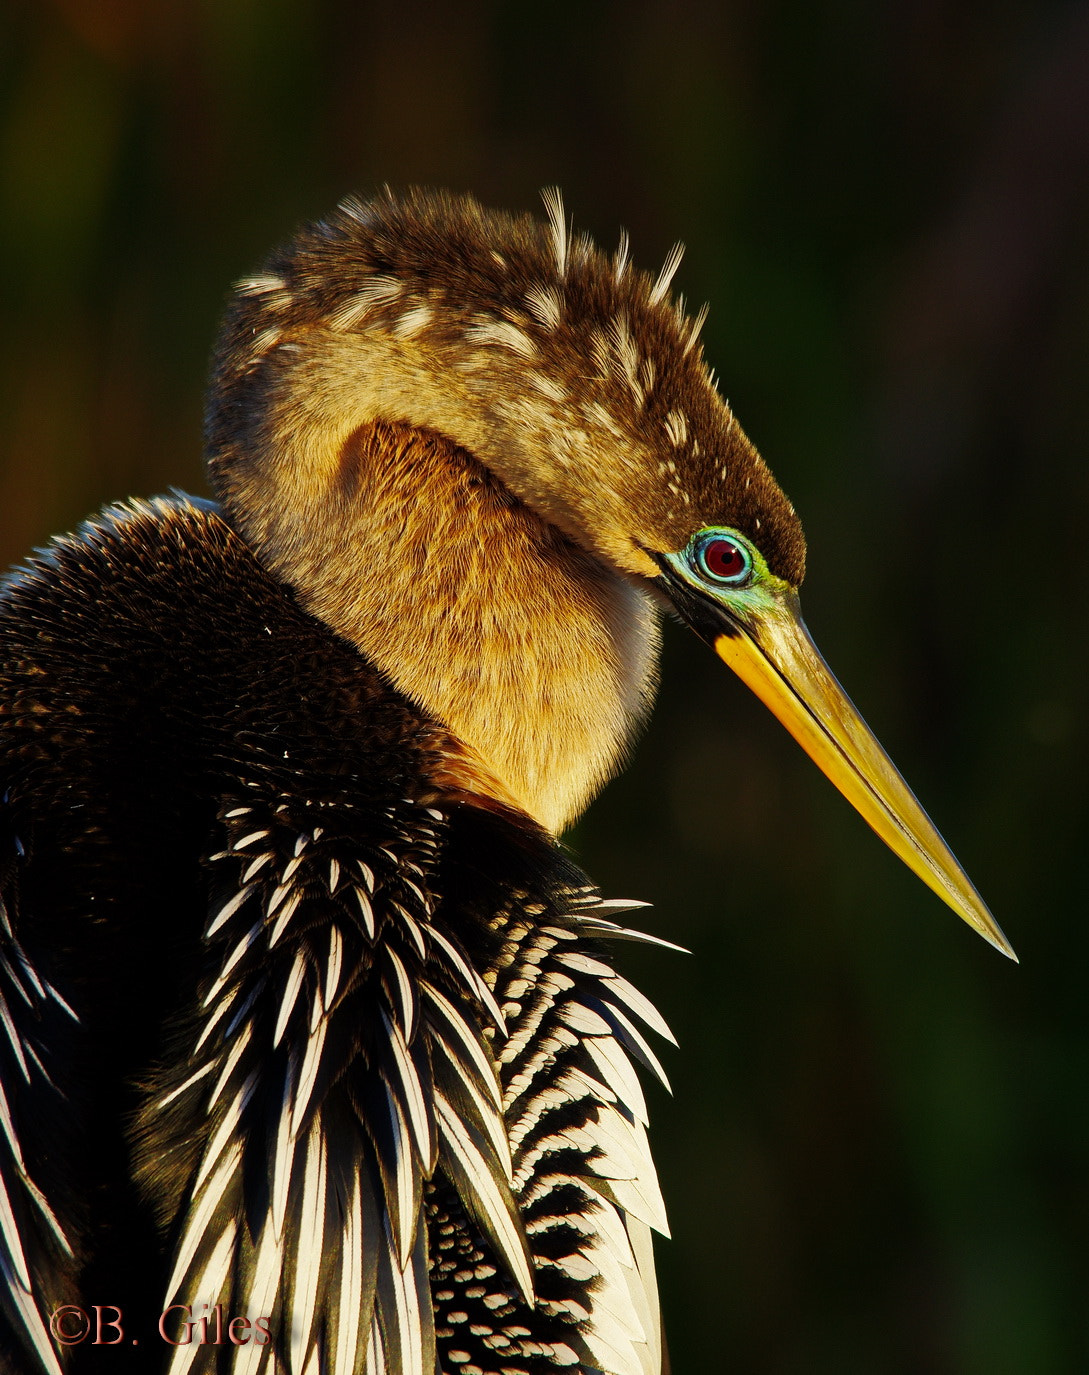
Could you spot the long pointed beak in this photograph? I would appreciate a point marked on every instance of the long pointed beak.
(776, 657)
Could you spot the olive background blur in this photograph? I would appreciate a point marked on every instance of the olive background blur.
(877, 1159)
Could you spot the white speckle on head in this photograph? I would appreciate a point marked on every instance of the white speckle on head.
(756, 523)
(267, 339)
(543, 303)
(694, 326)
(695, 448)
(676, 426)
(596, 414)
(567, 444)
(499, 259)
(353, 206)
(626, 355)
(621, 259)
(553, 204)
(379, 291)
(260, 284)
(599, 347)
(581, 249)
(501, 333)
(266, 289)
(413, 321)
(547, 387)
(669, 269)
(748, 480)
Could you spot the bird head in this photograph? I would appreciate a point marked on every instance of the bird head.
(578, 382)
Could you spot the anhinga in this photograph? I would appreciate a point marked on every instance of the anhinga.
(303, 1010)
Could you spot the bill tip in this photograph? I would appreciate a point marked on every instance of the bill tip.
(995, 937)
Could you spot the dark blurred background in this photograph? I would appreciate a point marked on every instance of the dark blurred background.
(877, 1159)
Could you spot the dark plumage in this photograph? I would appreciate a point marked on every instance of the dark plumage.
(164, 737)
(303, 1010)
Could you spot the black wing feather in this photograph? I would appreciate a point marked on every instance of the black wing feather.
(38, 1259)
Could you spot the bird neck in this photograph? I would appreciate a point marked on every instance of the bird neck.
(531, 651)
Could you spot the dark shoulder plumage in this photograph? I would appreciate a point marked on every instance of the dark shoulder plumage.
(157, 616)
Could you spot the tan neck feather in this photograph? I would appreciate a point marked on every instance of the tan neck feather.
(530, 650)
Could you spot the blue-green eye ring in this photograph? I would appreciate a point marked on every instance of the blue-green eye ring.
(719, 558)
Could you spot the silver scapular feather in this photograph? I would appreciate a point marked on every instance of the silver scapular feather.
(400, 1162)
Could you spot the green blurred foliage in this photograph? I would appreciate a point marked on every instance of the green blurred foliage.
(877, 1159)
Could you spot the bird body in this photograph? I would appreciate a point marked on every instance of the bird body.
(231, 799)
(306, 1012)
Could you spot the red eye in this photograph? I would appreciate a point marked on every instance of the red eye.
(724, 560)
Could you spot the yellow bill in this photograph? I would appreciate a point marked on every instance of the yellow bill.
(776, 657)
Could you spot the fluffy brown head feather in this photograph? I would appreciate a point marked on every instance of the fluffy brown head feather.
(504, 351)
(573, 375)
